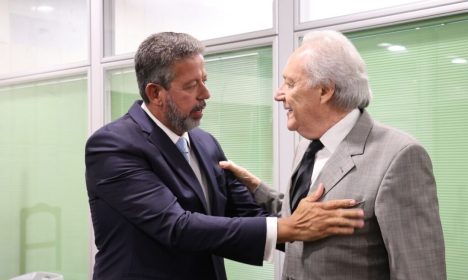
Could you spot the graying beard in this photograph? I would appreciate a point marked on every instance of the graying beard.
(180, 122)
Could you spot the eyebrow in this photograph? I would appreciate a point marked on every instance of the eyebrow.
(194, 81)
(288, 78)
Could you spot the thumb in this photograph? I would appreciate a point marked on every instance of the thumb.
(317, 194)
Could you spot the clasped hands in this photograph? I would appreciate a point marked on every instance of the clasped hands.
(312, 219)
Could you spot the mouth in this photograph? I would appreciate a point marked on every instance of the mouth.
(197, 111)
(200, 107)
(288, 109)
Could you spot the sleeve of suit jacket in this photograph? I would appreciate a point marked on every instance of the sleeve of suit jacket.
(269, 199)
(119, 174)
(407, 210)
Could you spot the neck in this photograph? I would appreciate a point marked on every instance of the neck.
(160, 116)
(331, 117)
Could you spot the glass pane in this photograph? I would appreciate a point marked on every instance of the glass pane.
(238, 114)
(42, 34)
(314, 10)
(44, 212)
(131, 21)
(418, 73)
(123, 89)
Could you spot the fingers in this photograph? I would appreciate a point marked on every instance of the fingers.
(340, 226)
(242, 174)
(225, 164)
(346, 217)
(234, 168)
(331, 204)
(343, 221)
(314, 221)
(341, 203)
(331, 215)
(351, 213)
(341, 209)
(340, 231)
(316, 195)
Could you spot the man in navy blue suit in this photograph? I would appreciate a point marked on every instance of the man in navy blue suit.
(161, 214)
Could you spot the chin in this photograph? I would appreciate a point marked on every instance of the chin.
(292, 125)
(191, 123)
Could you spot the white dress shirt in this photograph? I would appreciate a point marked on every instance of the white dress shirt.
(331, 139)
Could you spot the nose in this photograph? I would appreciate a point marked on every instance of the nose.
(204, 92)
(279, 95)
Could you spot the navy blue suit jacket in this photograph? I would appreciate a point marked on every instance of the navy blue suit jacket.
(148, 209)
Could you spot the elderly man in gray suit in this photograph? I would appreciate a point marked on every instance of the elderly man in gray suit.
(325, 93)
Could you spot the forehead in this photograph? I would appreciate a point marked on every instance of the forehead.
(295, 66)
(190, 66)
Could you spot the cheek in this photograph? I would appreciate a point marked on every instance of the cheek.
(300, 112)
(295, 103)
(185, 104)
(295, 98)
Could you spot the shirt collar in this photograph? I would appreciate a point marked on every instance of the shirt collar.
(333, 137)
(174, 137)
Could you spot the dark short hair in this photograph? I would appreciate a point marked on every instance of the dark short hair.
(157, 54)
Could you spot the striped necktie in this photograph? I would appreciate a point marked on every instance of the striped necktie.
(182, 145)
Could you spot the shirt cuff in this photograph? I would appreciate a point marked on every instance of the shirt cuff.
(271, 236)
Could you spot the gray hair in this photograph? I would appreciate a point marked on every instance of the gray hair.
(332, 58)
(157, 54)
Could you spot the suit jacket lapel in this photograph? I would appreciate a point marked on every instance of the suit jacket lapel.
(341, 162)
(168, 150)
(336, 168)
(205, 167)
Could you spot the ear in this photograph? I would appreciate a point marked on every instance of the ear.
(327, 93)
(154, 92)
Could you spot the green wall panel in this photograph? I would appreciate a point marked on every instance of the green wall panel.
(44, 209)
(423, 91)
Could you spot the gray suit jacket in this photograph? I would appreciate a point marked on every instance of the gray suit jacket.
(402, 237)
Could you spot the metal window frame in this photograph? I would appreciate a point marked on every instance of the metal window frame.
(283, 37)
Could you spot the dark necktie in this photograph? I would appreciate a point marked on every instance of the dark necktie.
(301, 178)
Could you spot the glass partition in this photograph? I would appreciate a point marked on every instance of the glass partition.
(129, 22)
(311, 10)
(42, 34)
(44, 212)
(419, 77)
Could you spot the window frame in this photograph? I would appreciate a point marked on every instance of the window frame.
(284, 38)
(382, 17)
